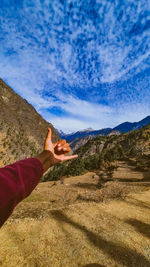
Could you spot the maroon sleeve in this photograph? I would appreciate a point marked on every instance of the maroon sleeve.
(16, 182)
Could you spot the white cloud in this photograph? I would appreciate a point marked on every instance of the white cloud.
(113, 61)
(83, 108)
(81, 114)
(131, 113)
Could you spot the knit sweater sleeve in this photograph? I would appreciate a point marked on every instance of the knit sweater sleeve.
(17, 181)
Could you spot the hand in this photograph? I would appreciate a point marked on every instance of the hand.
(58, 149)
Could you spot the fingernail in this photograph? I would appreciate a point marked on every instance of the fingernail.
(59, 148)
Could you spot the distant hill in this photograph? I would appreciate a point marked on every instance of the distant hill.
(130, 126)
(22, 129)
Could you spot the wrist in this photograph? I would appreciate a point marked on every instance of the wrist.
(47, 159)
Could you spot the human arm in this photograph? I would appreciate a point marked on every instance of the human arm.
(19, 179)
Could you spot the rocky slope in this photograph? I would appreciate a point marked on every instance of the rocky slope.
(78, 142)
(22, 129)
(135, 143)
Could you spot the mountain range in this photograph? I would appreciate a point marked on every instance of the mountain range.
(79, 138)
(121, 128)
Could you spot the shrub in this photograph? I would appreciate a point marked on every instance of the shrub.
(92, 162)
(112, 190)
(139, 167)
(56, 173)
(76, 167)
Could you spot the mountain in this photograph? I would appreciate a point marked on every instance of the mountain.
(122, 128)
(81, 137)
(22, 129)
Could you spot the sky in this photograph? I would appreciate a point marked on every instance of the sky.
(80, 63)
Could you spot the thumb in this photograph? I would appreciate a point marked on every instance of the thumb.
(48, 142)
(49, 135)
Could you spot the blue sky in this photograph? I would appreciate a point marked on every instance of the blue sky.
(79, 63)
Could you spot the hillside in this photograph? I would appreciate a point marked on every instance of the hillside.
(22, 129)
(134, 143)
(78, 142)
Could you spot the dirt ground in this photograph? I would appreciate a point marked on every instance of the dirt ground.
(70, 225)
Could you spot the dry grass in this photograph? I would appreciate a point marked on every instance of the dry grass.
(65, 226)
(113, 190)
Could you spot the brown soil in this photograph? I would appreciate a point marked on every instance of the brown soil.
(70, 225)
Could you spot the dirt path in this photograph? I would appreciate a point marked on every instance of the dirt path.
(54, 227)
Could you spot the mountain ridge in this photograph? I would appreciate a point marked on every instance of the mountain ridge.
(79, 138)
(120, 127)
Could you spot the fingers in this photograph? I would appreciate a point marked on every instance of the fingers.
(59, 143)
(62, 145)
(62, 142)
(65, 148)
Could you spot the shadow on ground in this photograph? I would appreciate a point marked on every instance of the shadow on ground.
(87, 186)
(140, 227)
(117, 251)
(93, 265)
(137, 203)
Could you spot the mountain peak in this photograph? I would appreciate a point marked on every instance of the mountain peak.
(88, 129)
